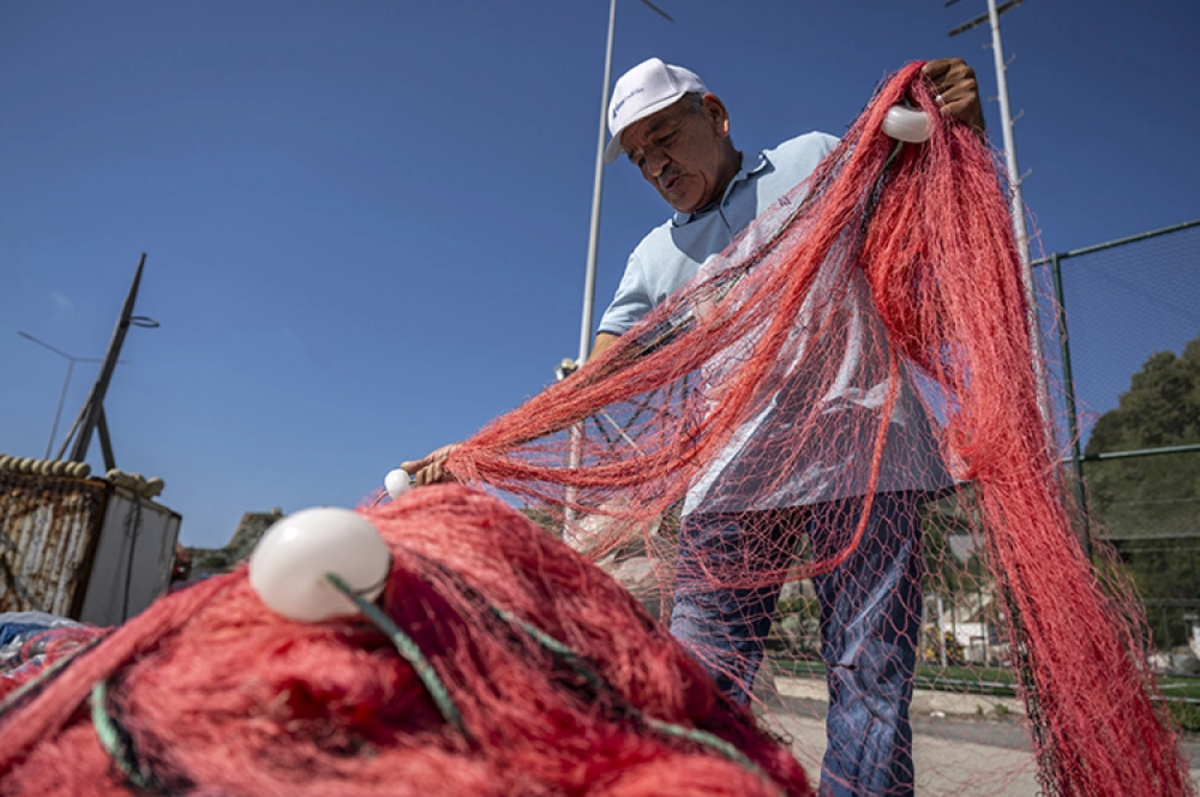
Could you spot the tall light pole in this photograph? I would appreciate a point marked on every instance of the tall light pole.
(589, 284)
(589, 280)
(992, 17)
(71, 360)
(1006, 123)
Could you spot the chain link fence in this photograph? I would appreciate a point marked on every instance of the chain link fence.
(1127, 332)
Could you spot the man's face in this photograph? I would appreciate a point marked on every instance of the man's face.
(684, 152)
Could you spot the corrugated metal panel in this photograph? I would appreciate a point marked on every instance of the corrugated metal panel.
(133, 559)
(48, 529)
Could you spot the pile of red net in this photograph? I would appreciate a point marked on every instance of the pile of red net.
(549, 679)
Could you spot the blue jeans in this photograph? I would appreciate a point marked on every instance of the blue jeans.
(870, 609)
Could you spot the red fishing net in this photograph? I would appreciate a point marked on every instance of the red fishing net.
(537, 674)
(866, 339)
(844, 406)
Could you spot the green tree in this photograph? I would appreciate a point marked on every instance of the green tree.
(1150, 504)
(1161, 407)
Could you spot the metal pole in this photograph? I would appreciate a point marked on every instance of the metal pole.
(1121, 241)
(1017, 207)
(1018, 217)
(1010, 153)
(589, 285)
(89, 416)
(589, 281)
(1070, 399)
(1142, 452)
(575, 455)
(62, 397)
(71, 360)
(941, 632)
(1006, 119)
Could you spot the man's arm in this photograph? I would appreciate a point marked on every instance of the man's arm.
(602, 341)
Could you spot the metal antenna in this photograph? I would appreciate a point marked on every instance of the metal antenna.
(71, 360)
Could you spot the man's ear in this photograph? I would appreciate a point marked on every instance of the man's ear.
(716, 112)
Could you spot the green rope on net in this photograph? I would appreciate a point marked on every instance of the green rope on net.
(576, 663)
(408, 650)
(117, 742)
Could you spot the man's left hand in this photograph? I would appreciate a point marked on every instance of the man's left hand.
(957, 91)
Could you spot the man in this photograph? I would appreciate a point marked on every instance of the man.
(678, 135)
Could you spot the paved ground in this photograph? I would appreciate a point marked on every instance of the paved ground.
(962, 747)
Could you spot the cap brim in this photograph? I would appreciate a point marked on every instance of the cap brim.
(614, 148)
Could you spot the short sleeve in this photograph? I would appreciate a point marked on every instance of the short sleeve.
(630, 303)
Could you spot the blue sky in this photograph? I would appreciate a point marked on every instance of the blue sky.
(366, 222)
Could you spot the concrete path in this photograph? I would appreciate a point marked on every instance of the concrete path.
(944, 766)
(963, 746)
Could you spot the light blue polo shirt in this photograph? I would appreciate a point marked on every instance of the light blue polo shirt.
(747, 475)
(673, 252)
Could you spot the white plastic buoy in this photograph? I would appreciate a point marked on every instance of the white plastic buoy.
(398, 482)
(907, 124)
(290, 562)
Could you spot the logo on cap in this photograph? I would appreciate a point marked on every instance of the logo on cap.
(617, 105)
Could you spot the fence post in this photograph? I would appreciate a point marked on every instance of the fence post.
(1069, 398)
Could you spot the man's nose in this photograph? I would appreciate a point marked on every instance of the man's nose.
(654, 164)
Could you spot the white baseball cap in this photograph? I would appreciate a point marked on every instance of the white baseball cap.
(646, 89)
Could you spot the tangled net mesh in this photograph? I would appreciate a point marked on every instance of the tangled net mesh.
(866, 338)
(879, 304)
(208, 693)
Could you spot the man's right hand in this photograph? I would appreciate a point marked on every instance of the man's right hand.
(958, 93)
(431, 469)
